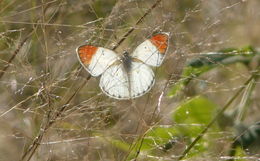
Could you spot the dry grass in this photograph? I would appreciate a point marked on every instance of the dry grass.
(52, 110)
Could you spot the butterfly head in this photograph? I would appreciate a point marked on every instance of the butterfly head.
(125, 54)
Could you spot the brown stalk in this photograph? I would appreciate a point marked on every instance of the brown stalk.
(50, 120)
(2, 72)
(138, 22)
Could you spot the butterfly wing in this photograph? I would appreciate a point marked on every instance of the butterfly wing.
(141, 79)
(96, 59)
(114, 82)
(117, 83)
(152, 51)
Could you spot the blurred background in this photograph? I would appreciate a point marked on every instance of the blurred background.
(51, 110)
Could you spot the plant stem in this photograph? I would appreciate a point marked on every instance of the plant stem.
(186, 151)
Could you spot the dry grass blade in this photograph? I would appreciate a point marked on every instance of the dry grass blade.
(52, 109)
(138, 22)
(154, 116)
(52, 117)
(50, 120)
(2, 72)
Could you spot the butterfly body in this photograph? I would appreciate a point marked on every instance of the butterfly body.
(130, 75)
(126, 60)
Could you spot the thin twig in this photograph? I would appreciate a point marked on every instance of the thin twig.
(63, 108)
(154, 114)
(138, 22)
(51, 120)
(2, 72)
(120, 42)
(86, 25)
(18, 104)
(186, 151)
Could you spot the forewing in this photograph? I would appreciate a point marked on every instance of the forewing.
(96, 59)
(152, 51)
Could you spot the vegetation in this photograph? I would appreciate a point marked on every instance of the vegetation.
(204, 105)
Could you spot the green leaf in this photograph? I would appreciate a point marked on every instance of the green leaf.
(191, 117)
(119, 144)
(158, 136)
(187, 75)
(243, 55)
(197, 111)
(240, 153)
(176, 88)
(245, 50)
(205, 62)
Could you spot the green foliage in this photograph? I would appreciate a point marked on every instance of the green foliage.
(205, 62)
(198, 111)
(223, 57)
(239, 154)
(189, 119)
(51, 108)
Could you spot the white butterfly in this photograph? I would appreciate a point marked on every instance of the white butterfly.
(126, 76)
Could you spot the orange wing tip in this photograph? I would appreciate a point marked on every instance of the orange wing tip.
(160, 41)
(86, 52)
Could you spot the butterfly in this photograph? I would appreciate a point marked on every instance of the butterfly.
(127, 76)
